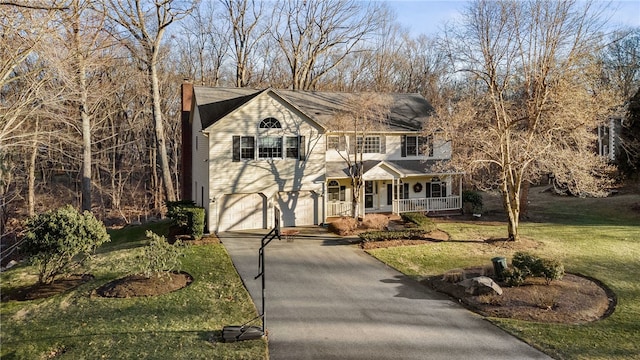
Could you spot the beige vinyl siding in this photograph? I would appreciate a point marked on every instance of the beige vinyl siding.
(264, 176)
(441, 150)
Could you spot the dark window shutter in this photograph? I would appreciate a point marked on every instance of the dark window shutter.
(236, 148)
(428, 190)
(430, 143)
(383, 144)
(389, 194)
(444, 189)
(302, 154)
(403, 146)
(406, 190)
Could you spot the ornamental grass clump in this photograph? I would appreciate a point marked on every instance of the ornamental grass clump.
(60, 240)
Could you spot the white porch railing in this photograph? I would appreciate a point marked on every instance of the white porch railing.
(342, 208)
(427, 204)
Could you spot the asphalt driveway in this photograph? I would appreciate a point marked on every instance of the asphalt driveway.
(326, 299)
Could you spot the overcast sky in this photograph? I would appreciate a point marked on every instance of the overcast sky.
(429, 16)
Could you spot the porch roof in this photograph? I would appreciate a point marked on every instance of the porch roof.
(403, 168)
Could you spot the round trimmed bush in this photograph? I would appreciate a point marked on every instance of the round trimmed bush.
(59, 240)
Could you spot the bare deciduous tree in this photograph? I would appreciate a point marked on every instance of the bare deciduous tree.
(204, 43)
(141, 26)
(245, 20)
(538, 97)
(361, 115)
(315, 36)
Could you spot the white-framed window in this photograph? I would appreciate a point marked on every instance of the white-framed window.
(402, 191)
(336, 142)
(436, 188)
(247, 147)
(335, 191)
(270, 123)
(291, 147)
(269, 147)
(418, 145)
(368, 144)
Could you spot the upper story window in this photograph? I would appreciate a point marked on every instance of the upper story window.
(413, 145)
(336, 142)
(292, 146)
(270, 123)
(247, 147)
(368, 144)
(269, 147)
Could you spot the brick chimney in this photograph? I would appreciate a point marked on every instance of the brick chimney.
(187, 155)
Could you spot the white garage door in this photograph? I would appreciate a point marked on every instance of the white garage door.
(298, 208)
(242, 212)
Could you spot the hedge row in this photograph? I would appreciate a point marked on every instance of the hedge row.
(391, 235)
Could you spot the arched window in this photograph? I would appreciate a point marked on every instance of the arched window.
(270, 123)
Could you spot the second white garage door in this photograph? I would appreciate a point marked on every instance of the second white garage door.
(242, 212)
(298, 208)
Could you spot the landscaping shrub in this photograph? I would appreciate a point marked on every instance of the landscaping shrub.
(551, 270)
(174, 210)
(159, 257)
(343, 226)
(375, 221)
(187, 216)
(473, 200)
(391, 235)
(59, 240)
(513, 276)
(423, 222)
(526, 262)
(195, 221)
(531, 265)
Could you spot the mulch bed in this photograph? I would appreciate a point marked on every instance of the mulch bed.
(573, 300)
(41, 291)
(140, 285)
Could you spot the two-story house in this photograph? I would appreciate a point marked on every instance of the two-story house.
(247, 152)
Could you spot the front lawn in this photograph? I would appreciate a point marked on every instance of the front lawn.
(599, 238)
(186, 324)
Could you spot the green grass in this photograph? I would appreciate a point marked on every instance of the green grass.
(178, 325)
(595, 237)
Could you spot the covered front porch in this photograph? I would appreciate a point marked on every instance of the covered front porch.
(389, 189)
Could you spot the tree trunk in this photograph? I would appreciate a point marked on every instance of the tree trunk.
(159, 132)
(31, 186)
(511, 202)
(86, 144)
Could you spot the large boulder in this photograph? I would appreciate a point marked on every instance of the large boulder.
(480, 285)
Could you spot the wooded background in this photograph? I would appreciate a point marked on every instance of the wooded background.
(90, 89)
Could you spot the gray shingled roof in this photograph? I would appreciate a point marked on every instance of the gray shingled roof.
(408, 111)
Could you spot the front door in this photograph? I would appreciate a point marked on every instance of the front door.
(369, 192)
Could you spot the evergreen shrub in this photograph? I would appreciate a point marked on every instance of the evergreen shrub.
(59, 240)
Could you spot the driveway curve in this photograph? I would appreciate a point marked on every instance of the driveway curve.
(327, 299)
